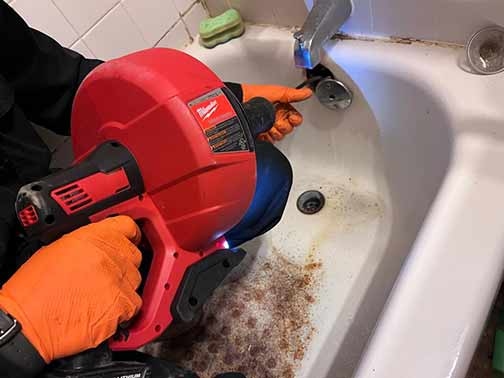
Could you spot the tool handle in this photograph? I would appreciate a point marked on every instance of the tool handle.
(107, 183)
(65, 200)
(260, 115)
(175, 276)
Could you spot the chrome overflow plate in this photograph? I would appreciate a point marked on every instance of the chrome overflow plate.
(330, 92)
(333, 94)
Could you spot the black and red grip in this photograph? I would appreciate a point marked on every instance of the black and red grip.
(65, 200)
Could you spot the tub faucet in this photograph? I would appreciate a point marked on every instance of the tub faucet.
(322, 23)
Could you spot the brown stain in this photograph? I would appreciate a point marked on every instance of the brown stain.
(347, 208)
(259, 325)
(251, 323)
(313, 266)
(397, 40)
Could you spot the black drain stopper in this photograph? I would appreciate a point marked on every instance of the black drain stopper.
(310, 202)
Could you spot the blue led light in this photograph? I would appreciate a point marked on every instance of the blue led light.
(302, 58)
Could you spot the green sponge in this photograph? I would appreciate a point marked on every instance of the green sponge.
(221, 29)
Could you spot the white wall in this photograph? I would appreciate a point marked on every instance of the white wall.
(109, 28)
(442, 20)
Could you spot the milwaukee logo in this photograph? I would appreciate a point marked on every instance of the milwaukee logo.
(206, 111)
(134, 375)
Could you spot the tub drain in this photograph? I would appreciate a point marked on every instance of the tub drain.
(310, 202)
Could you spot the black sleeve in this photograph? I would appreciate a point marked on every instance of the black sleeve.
(18, 357)
(43, 74)
(236, 89)
(23, 158)
(7, 223)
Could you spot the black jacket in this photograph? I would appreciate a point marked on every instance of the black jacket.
(38, 81)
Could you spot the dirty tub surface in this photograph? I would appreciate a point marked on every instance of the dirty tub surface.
(412, 179)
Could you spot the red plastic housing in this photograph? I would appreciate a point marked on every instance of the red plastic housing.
(28, 216)
(193, 194)
(91, 189)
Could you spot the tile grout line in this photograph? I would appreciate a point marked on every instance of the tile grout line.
(169, 30)
(191, 39)
(227, 4)
(68, 21)
(180, 19)
(96, 23)
(205, 6)
(182, 15)
(89, 48)
(189, 8)
(80, 37)
(100, 18)
(92, 25)
(86, 45)
(134, 23)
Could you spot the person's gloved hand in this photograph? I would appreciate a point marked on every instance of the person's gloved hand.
(72, 294)
(287, 117)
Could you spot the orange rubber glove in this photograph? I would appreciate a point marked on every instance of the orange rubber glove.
(72, 294)
(287, 117)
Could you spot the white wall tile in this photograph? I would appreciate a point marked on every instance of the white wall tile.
(445, 20)
(111, 29)
(194, 17)
(405, 18)
(465, 18)
(176, 38)
(115, 35)
(217, 7)
(82, 49)
(289, 12)
(153, 17)
(183, 5)
(360, 22)
(83, 14)
(44, 16)
(259, 11)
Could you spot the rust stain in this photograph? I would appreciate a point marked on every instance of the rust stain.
(259, 325)
(348, 208)
(313, 266)
(397, 40)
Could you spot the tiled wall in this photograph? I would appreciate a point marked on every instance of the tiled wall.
(442, 20)
(278, 12)
(109, 28)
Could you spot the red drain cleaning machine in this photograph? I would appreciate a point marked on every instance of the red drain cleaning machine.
(156, 136)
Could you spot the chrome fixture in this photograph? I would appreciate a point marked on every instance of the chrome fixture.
(323, 22)
(485, 51)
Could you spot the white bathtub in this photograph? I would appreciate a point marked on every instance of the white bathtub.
(410, 242)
